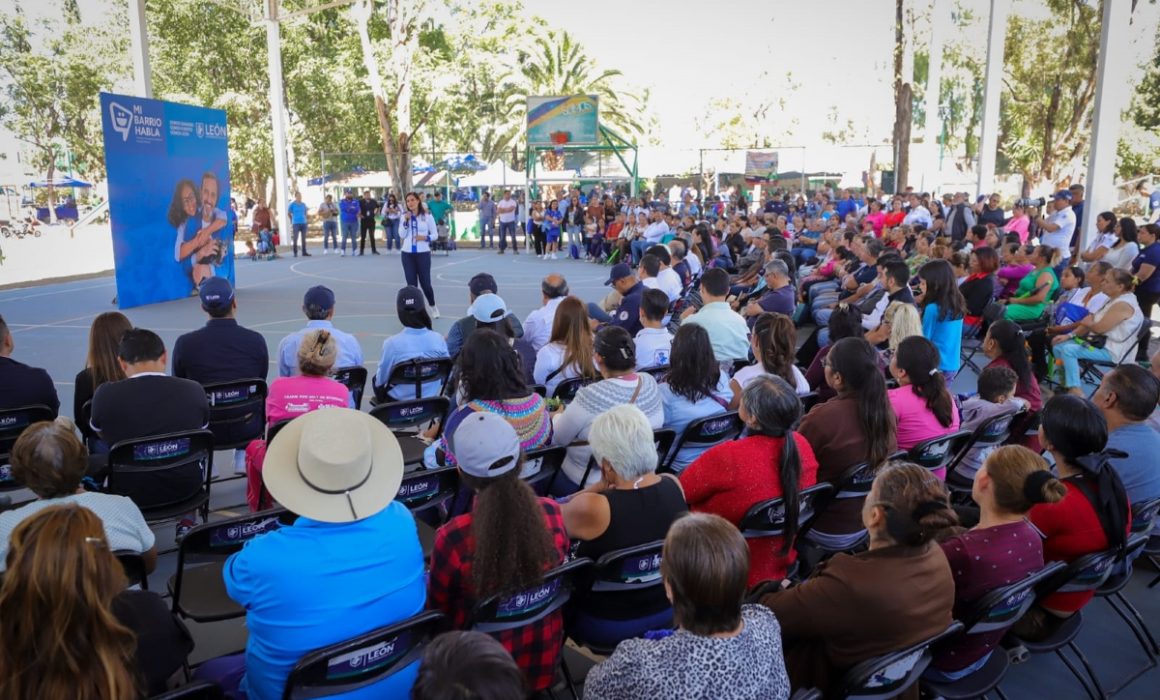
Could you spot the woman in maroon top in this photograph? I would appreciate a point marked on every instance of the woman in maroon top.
(1092, 517)
(1001, 550)
(856, 426)
(772, 462)
(1006, 346)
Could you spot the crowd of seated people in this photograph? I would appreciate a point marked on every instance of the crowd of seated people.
(714, 315)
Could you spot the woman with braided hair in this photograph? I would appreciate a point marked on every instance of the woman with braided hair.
(1002, 549)
(859, 606)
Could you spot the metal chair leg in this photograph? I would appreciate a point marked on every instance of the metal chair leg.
(1100, 693)
(1124, 608)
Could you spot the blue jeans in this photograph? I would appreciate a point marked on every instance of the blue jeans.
(392, 228)
(508, 228)
(818, 288)
(417, 270)
(804, 256)
(638, 246)
(330, 234)
(486, 231)
(1070, 353)
(349, 232)
(298, 230)
(601, 316)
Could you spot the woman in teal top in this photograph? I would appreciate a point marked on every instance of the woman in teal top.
(943, 308)
(1036, 288)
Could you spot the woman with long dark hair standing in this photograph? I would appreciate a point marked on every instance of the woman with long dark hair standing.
(856, 426)
(943, 310)
(772, 461)
(417, 230)
(503, 546)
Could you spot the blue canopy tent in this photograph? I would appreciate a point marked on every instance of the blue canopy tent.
(66, 211)
(60, 182)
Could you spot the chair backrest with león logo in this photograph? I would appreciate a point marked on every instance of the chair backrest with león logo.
(13, 421)
(237, 412)
(888, 676)
(704, 433)
(364, 660)
(530, 606)
(767, 518)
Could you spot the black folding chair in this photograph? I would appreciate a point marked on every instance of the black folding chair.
(1085, 574)
(198, 690)
(937, 452)
(13, 421)
(134, 565)
(541, 466)
(566, 390)
(424, 489)
(992, 432)
(540, 389)
(704, 433)
(501, 613)
(1112, 591)
(197, 588)
(809, 401)
(991, 615)
(627, 571)
(364, 660)
(405, 418)
(416, 372)
(136, 466)
(972, 342)
(890, 675)
(663, 438)
(854, 483)
(275, 429)
(355, 379)
(237, 412)
(767, 518)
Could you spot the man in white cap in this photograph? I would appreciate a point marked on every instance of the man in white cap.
(352, 561)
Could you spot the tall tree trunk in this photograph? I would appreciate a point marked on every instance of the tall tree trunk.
(51, 189)
(395, 134)
(902, 102)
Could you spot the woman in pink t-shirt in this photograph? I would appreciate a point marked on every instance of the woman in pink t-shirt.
(290, 397)
(1018, 224)
(875, 217)
(921, 402)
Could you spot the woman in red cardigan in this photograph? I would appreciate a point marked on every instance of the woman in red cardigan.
(771, 462)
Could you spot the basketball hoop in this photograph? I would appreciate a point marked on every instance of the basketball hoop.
(559, 140)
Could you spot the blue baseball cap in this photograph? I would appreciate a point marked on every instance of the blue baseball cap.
(215, 293)
(319, 296)
(1062, 194)
(618, 271)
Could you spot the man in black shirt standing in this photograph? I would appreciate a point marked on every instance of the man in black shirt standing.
(21, 385)
(222, 350)
(368, 208)
(149, 402)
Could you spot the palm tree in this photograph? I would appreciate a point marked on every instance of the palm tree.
(556, 64)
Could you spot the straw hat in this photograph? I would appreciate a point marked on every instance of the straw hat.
(336, 465)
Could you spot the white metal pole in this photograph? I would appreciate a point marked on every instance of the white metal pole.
(931, 179)
(277, 114)
(1111, 99)
(139, 39)
(989, 138)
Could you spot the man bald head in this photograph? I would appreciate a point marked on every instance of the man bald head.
(554, 286)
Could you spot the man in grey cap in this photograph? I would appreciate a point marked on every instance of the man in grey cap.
(479, 285)
(318, 305)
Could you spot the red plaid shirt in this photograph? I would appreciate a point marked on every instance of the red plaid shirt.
(536, 648)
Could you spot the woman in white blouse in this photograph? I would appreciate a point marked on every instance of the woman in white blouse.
(568, 353)
(773, 341)
(416, 231)
(1123, 253)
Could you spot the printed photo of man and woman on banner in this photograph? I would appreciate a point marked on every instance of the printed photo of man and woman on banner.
(168, 175)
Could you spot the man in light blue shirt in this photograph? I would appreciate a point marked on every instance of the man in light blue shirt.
(728, 332)
(297, 211)
(318, 305)
(1127, 396)
(351, 563)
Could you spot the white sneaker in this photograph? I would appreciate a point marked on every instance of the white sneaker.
(554, 257)
(434, 311)
(342, 253)
(326, 251)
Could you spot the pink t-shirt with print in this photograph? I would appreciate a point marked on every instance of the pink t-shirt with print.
(290, 397)
(916, 422)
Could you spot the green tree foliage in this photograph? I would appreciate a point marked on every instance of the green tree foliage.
(51, 74)
(1049, 90)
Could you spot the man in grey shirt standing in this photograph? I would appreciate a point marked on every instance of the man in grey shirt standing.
(487, 213)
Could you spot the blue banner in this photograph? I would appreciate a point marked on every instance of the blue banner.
(169, 187)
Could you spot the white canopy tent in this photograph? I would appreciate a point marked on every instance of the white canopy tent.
(498, 173)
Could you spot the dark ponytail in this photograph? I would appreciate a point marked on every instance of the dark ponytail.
(775, 408)
(856, 361)
(1013, 344)
(919, 358)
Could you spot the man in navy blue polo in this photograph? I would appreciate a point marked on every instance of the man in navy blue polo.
(21, 385)
(627, 314)
(222, 350)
